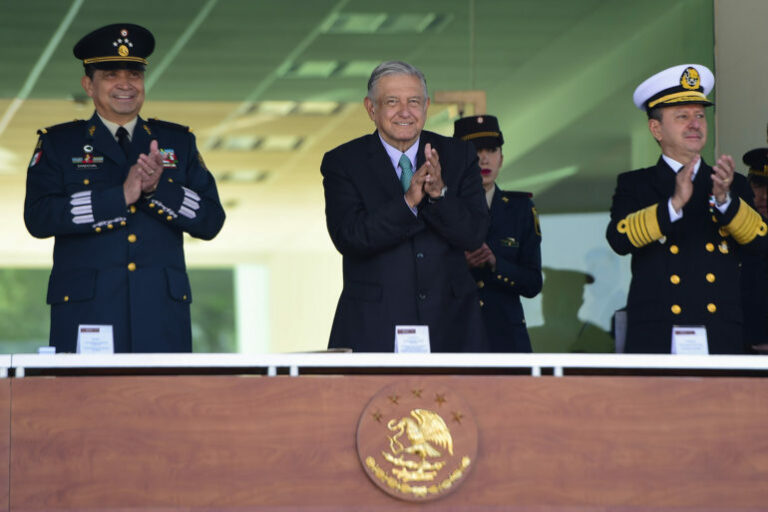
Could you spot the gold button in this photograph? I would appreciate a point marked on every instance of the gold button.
(86, 181)
(711, 277)
(498, 276)
(169, 218)
(480, 284)
(184, 297)
(160, 211)
(122, 223)
(711, 308)
(132, 238)
(98, 230)
(674, 279)
(506, 279)
(151, 205)
(170, 180)
(110, 226)
(722, 232)
(676, 309)
(710, 247)
(131, 266)
(674, 249)
(133, 209)
(511, 283)
(714, 219)
(66, 298)
(482, 303)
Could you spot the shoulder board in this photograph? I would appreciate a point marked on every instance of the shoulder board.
(512, 194)
(167, 124)
(77, 123)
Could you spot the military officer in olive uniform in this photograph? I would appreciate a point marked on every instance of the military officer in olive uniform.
(508, 264)
(685, 223)
(118, 192)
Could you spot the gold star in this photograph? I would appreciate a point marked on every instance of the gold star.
(416, 393)
(457, 416)
(377, 416)
(440, 399)
(394, 399)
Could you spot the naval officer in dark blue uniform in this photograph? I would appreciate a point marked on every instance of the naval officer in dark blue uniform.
(686, 225)
(118, 192)
(508, 264)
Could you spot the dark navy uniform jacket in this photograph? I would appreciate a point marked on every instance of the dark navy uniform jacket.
(115, 264)
(686, 272)
(514, 238)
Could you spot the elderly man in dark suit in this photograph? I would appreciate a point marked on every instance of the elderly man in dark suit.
(686, 224)
(402, 206)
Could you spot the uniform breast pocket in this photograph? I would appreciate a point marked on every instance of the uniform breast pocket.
(507, 247)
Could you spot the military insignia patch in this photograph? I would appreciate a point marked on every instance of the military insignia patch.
(87, 161)
(417, 441)
(36, 158)
(169, 158)
(509, 241)
(690, 79)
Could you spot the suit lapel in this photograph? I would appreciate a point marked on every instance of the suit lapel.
(664, 180)
(381, 166)
(142, 136)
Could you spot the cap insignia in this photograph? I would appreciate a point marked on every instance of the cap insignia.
(690, 79)
(480, 120)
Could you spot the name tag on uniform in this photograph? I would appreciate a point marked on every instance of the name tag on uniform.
(95, 339)
(413, 339)
(690, 340)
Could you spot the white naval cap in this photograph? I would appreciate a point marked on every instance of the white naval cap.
(678, 85)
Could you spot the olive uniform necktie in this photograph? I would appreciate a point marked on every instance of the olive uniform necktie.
(122, 139)
(407, 172)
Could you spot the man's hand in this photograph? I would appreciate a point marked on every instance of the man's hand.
(132, 185)
(722, 178)
(480, 257)
(433, 183)
(150, 168)
(684, 185)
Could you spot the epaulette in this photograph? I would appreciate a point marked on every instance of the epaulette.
(57, 127)
(513, 193)
(167, 124)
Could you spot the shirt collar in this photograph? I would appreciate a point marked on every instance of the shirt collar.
(676, 166)
(112, 127)
(394, 154)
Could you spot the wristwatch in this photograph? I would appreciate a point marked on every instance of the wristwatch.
(436, 199)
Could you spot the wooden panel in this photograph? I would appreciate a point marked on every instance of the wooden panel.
(5, 442)
(255, 443)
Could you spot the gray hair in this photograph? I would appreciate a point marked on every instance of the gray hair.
(394, 67)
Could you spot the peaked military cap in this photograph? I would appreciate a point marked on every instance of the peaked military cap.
(121, 45)
(483, 131)
(757, 160)
(678, 85)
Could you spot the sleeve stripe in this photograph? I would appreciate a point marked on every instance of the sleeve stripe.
(746, 224)
(641, 227)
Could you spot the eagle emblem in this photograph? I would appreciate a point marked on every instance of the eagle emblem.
(417, 441)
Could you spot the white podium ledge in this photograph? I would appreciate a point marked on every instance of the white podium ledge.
(295, 364)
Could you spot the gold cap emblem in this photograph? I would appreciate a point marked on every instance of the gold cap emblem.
(690, 79)
(417, 441)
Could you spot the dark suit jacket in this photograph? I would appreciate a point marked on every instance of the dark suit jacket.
(514, 238)
(689, 277)
(112, 264)
(402, 269)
